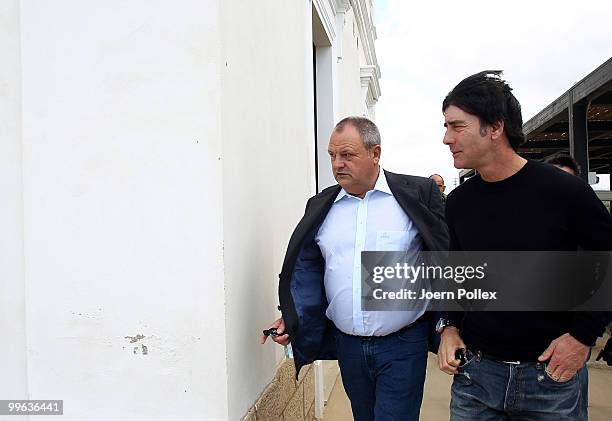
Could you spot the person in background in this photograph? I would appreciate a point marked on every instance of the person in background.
(565, 163)
(437, 178)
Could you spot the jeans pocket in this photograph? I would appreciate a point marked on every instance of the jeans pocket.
(557, 382)
(471, 357)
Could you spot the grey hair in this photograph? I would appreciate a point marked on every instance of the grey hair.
(370, 136)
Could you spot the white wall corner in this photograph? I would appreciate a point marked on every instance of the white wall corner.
(327, 12)
(342, 6)
(370, 90)
(340, 22)
(333, 16)
(370, 76)
(367, 32)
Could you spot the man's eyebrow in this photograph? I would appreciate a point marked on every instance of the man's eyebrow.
(343, 149)
(454, 122)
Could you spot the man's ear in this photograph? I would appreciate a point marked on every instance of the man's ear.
(376, 153)
(497, 130)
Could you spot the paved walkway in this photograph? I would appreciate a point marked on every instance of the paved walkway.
(437, 396)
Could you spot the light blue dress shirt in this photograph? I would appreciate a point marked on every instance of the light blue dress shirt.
(374, 223)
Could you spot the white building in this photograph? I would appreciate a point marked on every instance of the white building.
(154, 158)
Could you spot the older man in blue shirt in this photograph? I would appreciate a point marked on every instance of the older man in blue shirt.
(382, 354)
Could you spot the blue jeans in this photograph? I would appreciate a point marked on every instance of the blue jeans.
(383, 376)
(485, 389)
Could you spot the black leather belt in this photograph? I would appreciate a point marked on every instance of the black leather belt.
(481, 355)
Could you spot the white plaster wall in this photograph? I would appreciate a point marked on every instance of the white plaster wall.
(13, 384)
(168, 151)
(123, 221)
(268, 173)
(351, 100)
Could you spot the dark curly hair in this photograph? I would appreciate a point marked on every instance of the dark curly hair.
(487, 96)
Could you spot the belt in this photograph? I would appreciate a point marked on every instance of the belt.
(480, 355)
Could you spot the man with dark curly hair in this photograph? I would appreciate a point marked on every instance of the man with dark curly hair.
(521, 365)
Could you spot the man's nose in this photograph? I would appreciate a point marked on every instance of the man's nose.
(448, 139)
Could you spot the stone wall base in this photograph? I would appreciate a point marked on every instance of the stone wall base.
(286, 399)
(601, 342)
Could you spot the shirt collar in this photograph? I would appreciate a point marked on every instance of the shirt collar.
(381, 186)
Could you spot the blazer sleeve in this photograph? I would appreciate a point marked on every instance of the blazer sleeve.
(456, 317)
(436, 207)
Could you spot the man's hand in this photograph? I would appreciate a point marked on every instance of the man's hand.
(281, 339)
(450, 342)
(566, 356)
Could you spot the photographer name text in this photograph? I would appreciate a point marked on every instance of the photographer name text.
(424, 294)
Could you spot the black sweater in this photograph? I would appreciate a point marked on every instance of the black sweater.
(538, 208)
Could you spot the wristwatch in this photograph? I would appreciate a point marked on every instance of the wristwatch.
(442, 323)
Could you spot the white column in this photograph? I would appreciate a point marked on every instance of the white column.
(13, 363)
(326, 111)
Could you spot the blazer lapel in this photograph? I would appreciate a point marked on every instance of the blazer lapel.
(313, 217)
(407, 195)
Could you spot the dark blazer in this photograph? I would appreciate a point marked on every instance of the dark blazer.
(301, 290)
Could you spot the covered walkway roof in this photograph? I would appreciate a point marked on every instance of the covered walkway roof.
(578, 123)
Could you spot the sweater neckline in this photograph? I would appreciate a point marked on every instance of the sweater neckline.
(502, 184)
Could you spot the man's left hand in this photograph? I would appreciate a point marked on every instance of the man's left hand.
(565, 355)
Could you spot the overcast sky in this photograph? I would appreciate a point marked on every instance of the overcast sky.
(425, 48)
